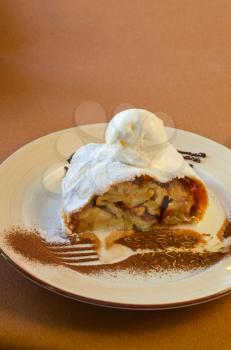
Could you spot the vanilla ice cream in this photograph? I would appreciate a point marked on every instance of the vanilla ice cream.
(141, 135)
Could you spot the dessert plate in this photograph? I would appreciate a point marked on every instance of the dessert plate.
(30, 196)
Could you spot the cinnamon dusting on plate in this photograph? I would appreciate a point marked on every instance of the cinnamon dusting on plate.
(29, 244)
(227, 232)
(157, 262)
(162, 238)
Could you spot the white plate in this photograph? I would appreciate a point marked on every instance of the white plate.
(29, 187)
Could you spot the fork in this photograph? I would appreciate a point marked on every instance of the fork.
(77, 254)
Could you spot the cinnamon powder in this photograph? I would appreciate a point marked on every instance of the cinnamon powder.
(157, 262)
(29, 244)
(227, 232)
(161, 238)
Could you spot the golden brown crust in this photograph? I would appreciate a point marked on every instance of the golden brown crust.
(222, 231)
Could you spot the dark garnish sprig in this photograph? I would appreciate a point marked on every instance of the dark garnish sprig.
(194, 157)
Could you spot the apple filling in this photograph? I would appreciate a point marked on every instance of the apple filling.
(141, 204)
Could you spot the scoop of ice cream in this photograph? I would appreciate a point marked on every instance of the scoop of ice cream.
(141, 135)
(136, 144)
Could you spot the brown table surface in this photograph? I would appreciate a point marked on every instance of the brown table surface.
(166, 56)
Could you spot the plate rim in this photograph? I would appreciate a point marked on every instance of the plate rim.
(111, 304)
(102, 124)
(101, 302)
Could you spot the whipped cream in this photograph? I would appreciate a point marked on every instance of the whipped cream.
(136, 144)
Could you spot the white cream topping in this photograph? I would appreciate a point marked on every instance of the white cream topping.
(136, 144)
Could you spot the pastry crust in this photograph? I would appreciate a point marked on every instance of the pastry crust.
(142, 204)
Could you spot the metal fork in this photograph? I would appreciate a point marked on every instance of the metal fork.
(76, 254)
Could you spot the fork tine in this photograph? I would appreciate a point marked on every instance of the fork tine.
(82, 246)
(86, 262)
(80, 258)
(75, 253)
